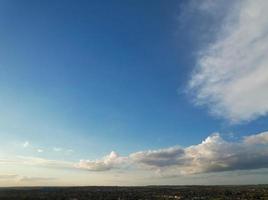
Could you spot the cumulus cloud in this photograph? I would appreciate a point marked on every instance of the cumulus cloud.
(113, 160)
(158, 158)
(214, 154)
(231, 75)
(261, 138)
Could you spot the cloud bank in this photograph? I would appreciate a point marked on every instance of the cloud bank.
(158, 158)
(214, 154)
(261, 138)
(111, 161)
(231, 76)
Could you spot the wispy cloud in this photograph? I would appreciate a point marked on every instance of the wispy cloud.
(8, 176)
(231, 75)
(30, 179)
(38, 162)
(69, 151)
(57, 149)
(32, 147)
(27, 179)
(40, 150)
(62, 150)
(25, 144)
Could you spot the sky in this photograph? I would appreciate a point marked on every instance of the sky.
(126, 92)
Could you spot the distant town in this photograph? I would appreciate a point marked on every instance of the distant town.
(250, 192)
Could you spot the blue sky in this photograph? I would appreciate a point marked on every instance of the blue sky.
(82, 79)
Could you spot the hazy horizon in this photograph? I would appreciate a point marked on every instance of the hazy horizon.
(129, 93)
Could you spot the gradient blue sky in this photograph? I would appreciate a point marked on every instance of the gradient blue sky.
(79, 79)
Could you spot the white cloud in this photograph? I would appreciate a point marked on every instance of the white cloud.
(57, 149)
(33, 179)
(19, 178)
(62, 150)
(25, 144)
(231, 76)
(8, 176)
(42, 162)
(36, 161)
(69, 151)
(40, 150)
(113, 160)
(214, 154)
(158, 158)
(261, 138)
